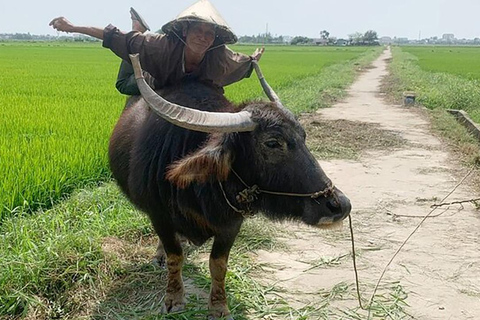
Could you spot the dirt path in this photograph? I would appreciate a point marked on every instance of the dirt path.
(439, 268)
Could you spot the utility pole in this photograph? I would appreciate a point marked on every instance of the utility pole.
(266, 32)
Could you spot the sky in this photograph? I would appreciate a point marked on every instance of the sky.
(412, 19)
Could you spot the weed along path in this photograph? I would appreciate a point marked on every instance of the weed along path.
(400, 171)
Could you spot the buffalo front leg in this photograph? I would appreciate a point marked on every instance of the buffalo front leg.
(175, 295)
(159, 258)
(217, 304)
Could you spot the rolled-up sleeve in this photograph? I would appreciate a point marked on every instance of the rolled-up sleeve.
(116, 41)
(236, 66)
(152, 48)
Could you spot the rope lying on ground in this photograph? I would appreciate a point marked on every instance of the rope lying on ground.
(403, 244)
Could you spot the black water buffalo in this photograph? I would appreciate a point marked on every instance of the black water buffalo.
(198, 173)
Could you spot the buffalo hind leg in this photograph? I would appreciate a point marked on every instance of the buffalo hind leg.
(217, 304)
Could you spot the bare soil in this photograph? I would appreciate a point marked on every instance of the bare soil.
(390, 187)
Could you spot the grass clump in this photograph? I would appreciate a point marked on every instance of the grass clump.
(45, 256)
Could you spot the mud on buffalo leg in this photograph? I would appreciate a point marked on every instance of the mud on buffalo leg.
(217, 304)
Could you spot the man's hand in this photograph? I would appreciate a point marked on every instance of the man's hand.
(258, 54)
(62, 24)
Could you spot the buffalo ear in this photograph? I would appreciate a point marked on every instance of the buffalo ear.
(210, 163)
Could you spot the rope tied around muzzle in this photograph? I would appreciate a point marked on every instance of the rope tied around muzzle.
(250, 194)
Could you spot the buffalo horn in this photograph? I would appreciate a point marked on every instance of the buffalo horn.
(266, 87)
(188, 118)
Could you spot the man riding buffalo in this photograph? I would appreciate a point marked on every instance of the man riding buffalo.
(197, 164)
(194, 47)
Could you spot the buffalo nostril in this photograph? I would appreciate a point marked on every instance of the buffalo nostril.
(333, 204)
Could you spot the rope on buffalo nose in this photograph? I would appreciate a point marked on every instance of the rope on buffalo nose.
(253, 191)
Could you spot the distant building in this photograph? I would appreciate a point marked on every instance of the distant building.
(287, 39)
(448, 37)
(341, 42)
(320, 41)
(385, 40)
(402, 40)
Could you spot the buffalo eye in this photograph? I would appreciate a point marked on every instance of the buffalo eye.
(273, 144)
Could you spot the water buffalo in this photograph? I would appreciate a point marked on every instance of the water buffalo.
(198, 167)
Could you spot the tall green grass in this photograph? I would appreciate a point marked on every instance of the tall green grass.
(58, 108)
(59, 105)
(439, 89)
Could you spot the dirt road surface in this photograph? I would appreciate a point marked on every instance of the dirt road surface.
(439, 267)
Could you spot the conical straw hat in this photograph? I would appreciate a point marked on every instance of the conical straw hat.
(202, 11)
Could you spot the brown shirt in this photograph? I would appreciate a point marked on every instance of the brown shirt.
(162, 57)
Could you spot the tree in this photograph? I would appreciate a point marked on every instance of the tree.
(300, 40)
(355, 38)
(370, 38)
(324, 34)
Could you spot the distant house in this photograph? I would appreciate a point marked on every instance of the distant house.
(287, 39)
(401, 40)
(385, 40)
(448, 37)
(320, 41)
(341, 42)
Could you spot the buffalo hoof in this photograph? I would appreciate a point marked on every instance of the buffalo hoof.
(174, 304)
(229, 317)
(221, 312)
(177, 308)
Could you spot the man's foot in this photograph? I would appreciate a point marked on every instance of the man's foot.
(138, 23)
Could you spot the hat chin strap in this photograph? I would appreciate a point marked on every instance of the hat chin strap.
(180, 38)
(220, 45)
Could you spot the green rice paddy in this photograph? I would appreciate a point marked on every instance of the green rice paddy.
(460, 61)
(58, 106)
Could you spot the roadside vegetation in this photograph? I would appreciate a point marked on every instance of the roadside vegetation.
(88, 257)
(441, 80)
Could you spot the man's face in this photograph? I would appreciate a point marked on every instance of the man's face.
(200, 37)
